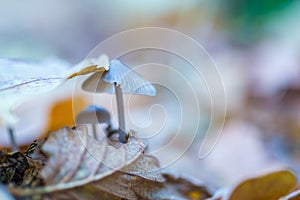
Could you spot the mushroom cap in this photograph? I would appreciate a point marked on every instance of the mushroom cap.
(129, 81)
(93, 115)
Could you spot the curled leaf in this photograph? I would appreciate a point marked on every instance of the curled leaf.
(86, 70)
(74, 156)
(77, 160)
(99, 64)
(173, 187)
(268, 187)
(80, 167)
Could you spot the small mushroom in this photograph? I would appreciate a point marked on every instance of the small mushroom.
(121, 80)
(94, 115)
(13, 143)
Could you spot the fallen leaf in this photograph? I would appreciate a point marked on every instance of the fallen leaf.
(268, 187)
(80, 167)
(179, 187)
(22, 168)
(22, 79)
(169, 186)
(62, 113)
(74, 156)
(78, 160)
(94, 65)
(146, 167)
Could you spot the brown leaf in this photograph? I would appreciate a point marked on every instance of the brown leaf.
(87, 70)
(268, 187)
(79, 167)
(173, 187)
(78, 160)
(74, 156)
(179, 187)
(22, 168)
(94, 65)
(146, 167)
(139, 179)
(62, 112)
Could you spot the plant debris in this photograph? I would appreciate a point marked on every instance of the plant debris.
(78, 166)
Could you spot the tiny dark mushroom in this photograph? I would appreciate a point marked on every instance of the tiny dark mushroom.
(94, 115)
(119, 79)
(13, 143)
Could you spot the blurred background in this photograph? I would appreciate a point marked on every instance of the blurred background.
(255, 44)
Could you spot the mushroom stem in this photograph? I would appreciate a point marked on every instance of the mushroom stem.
(13, 143)
(95, 131)
(121, 118)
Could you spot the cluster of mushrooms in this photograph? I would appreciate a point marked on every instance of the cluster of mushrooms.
(111, 77)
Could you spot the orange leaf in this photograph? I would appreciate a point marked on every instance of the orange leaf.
(268, 187)
(62, 113)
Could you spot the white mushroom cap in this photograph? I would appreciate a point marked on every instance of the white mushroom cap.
(129, 81)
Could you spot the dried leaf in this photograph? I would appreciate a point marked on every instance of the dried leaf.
(178, 187)
(146, 167)
(62, 113)
(78, 160)
(268, 187)
(129, 185)
(100, 64)
(173, 187)
(22, 168)
(86, 70)
(74, 156)
(79, 167)
(23, 79)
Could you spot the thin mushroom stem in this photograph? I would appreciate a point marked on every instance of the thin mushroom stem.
(13, 143)
(94, 126)
(121, 116)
